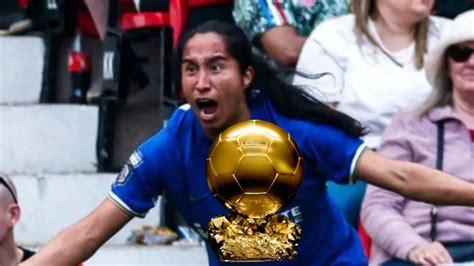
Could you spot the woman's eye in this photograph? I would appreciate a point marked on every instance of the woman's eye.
(190, 69)
(216, 68)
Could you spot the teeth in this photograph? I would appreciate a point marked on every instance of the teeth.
(204, 100)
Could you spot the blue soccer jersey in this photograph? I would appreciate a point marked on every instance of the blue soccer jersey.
(174, 160)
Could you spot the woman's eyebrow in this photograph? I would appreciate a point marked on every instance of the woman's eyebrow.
(216, 58)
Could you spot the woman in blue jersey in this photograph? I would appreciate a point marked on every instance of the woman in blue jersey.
(224, 84)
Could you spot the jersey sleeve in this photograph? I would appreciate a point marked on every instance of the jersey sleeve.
(142, 178)
(335, 153)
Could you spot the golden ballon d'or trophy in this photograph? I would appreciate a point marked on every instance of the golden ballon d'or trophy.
(254, 168)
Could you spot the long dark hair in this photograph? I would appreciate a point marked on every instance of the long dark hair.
(288, 99)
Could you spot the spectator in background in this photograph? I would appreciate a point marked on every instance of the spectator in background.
(422, 233)
(451, 8)
(13, 19)
(374, 58)
(10, 253)
(280, 27)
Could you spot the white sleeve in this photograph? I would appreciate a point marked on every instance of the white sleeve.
(323, 52)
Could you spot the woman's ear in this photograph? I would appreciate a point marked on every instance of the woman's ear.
(248, 77)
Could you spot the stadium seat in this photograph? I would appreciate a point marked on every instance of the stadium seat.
(365, 239)
(123, 22)
(349, 198)
(52, 20)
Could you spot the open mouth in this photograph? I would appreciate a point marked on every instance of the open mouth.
(207, 107)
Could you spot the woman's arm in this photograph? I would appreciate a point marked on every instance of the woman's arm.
(414, 181)
(80, 241)
(283, 44)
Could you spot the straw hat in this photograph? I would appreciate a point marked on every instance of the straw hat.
(461, 29)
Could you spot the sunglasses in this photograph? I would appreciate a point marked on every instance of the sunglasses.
(459, 53)
(3, 182)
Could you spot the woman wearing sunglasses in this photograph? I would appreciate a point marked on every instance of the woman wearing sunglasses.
(438, 134)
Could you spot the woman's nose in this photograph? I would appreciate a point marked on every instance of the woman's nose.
(203, 81)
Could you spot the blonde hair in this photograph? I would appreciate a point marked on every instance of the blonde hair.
(363, 9)
(442, 93)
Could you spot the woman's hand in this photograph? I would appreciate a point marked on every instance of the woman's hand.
(432, 253)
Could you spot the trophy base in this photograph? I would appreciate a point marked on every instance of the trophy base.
(239, 239)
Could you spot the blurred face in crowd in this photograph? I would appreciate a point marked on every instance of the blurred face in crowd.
(411, 11)
(213, 83)
(461, 66)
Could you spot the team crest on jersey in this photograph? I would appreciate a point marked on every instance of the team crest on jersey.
(135, 160)
(124, 175)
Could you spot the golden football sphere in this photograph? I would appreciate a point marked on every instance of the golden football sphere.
(254, 168)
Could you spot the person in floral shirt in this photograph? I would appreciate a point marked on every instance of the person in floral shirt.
(280, 27)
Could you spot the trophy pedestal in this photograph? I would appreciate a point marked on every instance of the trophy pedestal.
(239, 239)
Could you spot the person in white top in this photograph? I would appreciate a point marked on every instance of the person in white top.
(374, 58)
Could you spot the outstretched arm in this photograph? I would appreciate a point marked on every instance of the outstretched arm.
(80, 241)
(414, 181)
(283, 44)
